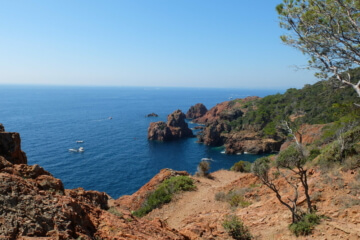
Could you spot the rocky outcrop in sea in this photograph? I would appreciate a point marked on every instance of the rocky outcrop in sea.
(196, 111)
(175, 128)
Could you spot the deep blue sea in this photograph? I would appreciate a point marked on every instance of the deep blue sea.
(118, 158)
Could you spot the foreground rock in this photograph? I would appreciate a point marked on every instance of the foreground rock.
(175, 128)
(34, 205)
(196, 111)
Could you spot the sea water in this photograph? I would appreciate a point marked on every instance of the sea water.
(118, 158)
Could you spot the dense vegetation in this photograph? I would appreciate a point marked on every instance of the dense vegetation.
(164, 193)
(322, 102)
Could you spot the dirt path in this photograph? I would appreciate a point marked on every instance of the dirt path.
(196, 202)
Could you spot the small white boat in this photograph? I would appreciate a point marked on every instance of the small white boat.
(80, 149)
(79, 141)
(223, 152)
(110, 118)
(206, 159)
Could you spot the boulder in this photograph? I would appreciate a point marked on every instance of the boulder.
(196, 111)
(2, 129)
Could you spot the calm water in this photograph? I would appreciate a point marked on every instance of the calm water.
(118, 158)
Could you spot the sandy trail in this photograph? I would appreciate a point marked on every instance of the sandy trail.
(195, 202)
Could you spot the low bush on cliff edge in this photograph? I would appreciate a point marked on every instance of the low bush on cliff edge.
(234, 198)
(241, 166)
(306, 225)
(203, 169)
(164, 192)
(236, 228)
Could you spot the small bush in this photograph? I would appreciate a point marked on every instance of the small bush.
(237, 200)
(313, 154)
(220, 196)
(235, 227)
(164, 192)
(241, 166)
(306, 225)
(203, 169)
(234, 198)
(115, 212)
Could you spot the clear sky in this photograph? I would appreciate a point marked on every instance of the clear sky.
(175, 43)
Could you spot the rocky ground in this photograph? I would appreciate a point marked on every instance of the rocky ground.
(198, 215)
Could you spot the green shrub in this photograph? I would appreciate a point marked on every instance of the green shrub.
(235, 227)
(115, 212)
(306, 225)
(236, 200)
(313, 154)
(164, 192)
(241, 166)
(220, 196)
(203, 169)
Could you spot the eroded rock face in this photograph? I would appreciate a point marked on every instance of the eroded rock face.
(306, 134)
(34, 205)
(2, 129)
(227, 109)
(251, 142)
(95, 198)
(213, 133)
(175, 128)
(135, 201)
(196, 111)
(10, 148)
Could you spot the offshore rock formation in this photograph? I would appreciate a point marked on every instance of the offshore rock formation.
(196, 111)
(152, 115)
(34, 205)
(175, 128)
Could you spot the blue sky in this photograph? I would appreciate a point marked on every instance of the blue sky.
(175, 43)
